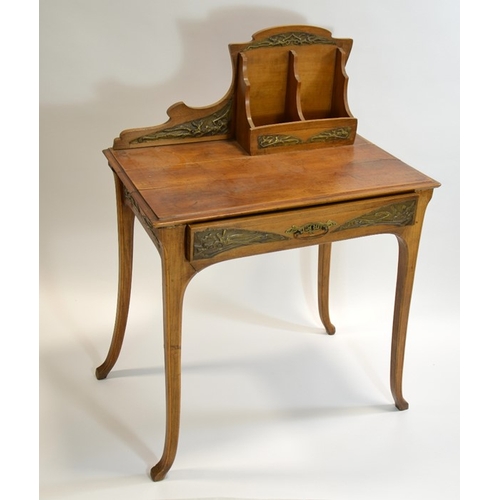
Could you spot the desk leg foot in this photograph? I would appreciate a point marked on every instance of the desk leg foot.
(402, 405)
(159, 471)
(173, 408)
(324, 253)
(101, 372)
(125, 244)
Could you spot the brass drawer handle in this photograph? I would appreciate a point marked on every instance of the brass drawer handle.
(311, 229)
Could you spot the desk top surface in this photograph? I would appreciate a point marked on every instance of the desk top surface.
(213, 180)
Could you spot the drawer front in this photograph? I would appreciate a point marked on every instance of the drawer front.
(237, 237)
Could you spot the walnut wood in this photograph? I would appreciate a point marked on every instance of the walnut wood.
(293, 91)
(125, 219)
(176, 275)
(408, 243)
(217, 193)
(323, 94)
(225, 182)
(337, 221)
(324, 253)
(292, 98)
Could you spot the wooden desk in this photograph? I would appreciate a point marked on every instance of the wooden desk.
(207, 201)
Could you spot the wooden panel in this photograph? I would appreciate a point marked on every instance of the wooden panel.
(207, 181)
(311, 134)
(267, 72)
(316, 70)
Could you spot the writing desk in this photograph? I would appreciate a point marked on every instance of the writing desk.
(209, 198)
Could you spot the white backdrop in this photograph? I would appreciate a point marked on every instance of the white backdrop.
(251, 329)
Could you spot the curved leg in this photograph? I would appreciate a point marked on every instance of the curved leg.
(400, 322)
(324, 252)
(408, 242)
(408, 249)
(125, 245)
(177, 273)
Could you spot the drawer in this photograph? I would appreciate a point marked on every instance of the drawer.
(220, 240)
